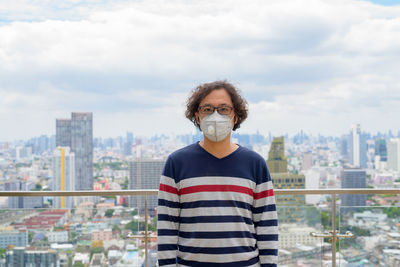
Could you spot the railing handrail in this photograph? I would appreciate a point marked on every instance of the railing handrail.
(148, 192)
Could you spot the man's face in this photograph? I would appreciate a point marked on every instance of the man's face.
(216, 98)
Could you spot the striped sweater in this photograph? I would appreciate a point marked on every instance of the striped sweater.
(216, 212)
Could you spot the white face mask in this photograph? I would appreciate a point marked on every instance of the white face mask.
(216, 127)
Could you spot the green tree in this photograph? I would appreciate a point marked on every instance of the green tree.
(124, 185)
(95, 250)
(109, 213)
(392, 212)
(313, 216)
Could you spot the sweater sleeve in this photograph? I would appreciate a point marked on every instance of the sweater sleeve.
(266, 221)
(168, 217)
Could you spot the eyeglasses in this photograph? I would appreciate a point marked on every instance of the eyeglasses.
(208, 109)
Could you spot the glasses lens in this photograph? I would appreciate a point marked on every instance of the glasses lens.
(206, 109)
(224, 110)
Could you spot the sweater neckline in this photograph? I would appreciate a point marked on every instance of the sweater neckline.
(216, 158)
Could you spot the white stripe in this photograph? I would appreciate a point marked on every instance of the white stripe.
(267, 230)
(268, 259)
(167, 240)
(167, 225)
(216, 180)
(216, 211)
(264, 201)
(168, 196)
(167, 181)
(216, 227)
(217, 196)
(218, 258)
(263, 187)
(168, 211)
(267, 244)
(217, 243)
(166, 254)
(269, 215)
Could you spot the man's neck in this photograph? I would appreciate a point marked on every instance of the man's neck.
(219, 149)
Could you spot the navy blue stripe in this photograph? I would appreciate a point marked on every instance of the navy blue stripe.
(268, 252)
(267, 237)
(168, 218)
(266, 208)
(266, 223)
(215, 219)
(167, 203)
(163, 247)
(190, 162)
(217, 250)
(166, 262)
(167, 232)
(226, 264)
(269, 265)
(214, 235)
(215, 203)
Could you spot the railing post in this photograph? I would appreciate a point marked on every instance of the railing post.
(334, 238)
(146, 233)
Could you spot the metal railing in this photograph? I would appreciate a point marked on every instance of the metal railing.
(334, 235)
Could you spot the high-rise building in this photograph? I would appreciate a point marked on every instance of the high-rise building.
(357, 147)
(307, 161)
(22, 202)
(289, 207)
(128, 144)
(63, 132)
(63, 176)
(393, 154)
(277, 161)
(18, 238)
(353, 178)
(77, 133)
(381, 149)
(20, 257)
(145, 174)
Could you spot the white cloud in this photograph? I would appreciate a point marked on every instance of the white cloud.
(320, 66)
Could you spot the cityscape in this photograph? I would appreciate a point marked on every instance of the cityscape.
(96, 231)
(92, 102)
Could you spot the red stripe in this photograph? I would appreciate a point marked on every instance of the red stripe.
(168, 188)
(215, 188)
(266, 193)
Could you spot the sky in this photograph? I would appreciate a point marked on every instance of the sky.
(319, 66)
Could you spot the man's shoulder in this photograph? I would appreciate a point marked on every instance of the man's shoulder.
(185, 152)
(250, 154)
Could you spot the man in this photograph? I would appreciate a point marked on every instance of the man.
(216, 205)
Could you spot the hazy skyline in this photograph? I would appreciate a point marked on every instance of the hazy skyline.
(317, 65)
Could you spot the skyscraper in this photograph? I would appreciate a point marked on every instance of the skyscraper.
(290, 207)
(22, 202)
(393, 154)
(63, 176)
(63, 132)
(77, 133)
(353, 178)
(145, 174)
(357, 147)
(381, 149)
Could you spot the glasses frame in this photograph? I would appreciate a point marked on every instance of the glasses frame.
(215, 108)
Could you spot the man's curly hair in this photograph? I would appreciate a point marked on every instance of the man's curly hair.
(200, 92)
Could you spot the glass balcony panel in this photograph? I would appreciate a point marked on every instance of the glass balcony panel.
(296, 246)
(103, 230)
(377, 234)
